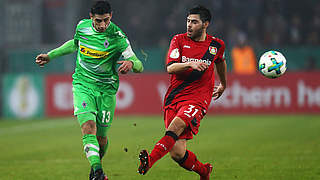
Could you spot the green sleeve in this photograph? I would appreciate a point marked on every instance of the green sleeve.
(67, 48)
(137, 64)
(129, 55)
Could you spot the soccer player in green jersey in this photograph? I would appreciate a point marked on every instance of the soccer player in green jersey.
(99, 44)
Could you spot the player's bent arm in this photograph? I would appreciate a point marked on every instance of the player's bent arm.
(222, 72)
(67, 48)
(177, 68)
(129, 55)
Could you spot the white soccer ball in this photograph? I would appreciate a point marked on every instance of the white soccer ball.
(272, 64)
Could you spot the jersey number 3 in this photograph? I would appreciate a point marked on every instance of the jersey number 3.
(191, 111)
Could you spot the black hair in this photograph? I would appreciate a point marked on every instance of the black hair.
(203, 12)
(101, 7)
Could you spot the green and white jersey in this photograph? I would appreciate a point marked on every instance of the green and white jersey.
(97, 55)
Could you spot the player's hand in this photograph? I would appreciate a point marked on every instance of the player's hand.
(199, 66)
(42, 59)
(217, 92)
(125, 66)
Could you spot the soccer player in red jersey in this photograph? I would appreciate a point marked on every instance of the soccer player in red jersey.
(191, 60)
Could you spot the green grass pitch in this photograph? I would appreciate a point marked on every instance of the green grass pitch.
(279, 147)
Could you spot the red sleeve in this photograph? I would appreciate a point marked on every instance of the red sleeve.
(221, 53)
(174, 53)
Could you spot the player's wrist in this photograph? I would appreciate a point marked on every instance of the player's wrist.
(189, 64)
(132, 63)
(50, 56)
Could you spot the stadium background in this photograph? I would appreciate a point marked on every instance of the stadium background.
(35, 103)
(30, 91)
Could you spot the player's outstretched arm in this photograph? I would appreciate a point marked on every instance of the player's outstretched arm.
(67, 48)
(222, 73)
(176, 68)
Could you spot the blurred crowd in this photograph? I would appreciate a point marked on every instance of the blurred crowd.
(263, 22)
(153, 23)
(246, 26)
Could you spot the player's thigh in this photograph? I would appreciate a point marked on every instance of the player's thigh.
(169, 115)
(84, 103)
(105, 115)
(191, 114)
(177, 126)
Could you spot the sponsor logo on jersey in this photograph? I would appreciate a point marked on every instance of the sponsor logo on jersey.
(92, 52)
(186, 46)
(175, 53)
(213, 50)
(187, 59)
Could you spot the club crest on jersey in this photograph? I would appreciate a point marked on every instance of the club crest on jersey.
(84, 104)
(106, 44)
(175, 53)
(213, 50)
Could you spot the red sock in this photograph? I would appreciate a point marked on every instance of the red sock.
(163, 147)
(191, 163)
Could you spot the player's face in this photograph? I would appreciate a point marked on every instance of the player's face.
(101, 22)
(195, 27)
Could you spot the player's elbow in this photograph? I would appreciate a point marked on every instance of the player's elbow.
(170, 69)
(221, 65)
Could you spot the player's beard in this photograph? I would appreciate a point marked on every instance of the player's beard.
(196, 34)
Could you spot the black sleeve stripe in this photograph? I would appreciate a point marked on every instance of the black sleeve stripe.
(171, 63)
(219, 61)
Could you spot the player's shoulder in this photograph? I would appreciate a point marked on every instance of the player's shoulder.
(115, 31)
(84, 22)
(180, 36)
(218, 40)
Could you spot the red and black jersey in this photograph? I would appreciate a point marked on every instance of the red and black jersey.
(193, 86)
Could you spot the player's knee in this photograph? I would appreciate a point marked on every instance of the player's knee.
(89, 127)
(176, 155)
(178, 150)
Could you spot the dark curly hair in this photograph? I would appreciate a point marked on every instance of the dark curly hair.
(204, 13)
(101, 7)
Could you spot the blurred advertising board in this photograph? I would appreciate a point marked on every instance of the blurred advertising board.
(22, 95)
(59, 98)
(133, 97)
(144, 93)
(291, 93)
